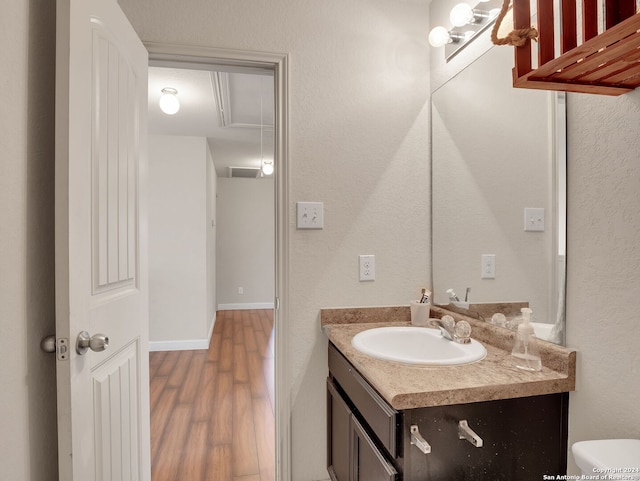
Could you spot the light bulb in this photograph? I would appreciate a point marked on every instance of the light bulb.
(439, 37)
(267, 168)
(461, 14)
(169, 103)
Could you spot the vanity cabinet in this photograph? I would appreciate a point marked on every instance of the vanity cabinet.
(522, 439)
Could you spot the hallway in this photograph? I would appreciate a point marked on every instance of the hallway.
(212, 412)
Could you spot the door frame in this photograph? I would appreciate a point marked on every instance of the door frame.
(185, 56)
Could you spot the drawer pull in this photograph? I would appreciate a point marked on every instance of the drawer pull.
(418, 441)
(465, 432)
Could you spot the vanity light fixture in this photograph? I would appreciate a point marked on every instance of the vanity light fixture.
(468, 22)
(462, 14)
(169, 102)
(440, 36)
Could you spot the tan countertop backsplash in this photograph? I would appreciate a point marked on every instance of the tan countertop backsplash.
(406, 386)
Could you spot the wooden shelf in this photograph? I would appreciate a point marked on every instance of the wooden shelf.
(605, 64)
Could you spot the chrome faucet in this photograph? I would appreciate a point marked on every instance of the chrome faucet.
(459, 332)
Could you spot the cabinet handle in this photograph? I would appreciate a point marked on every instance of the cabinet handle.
(418, 441)
(465, 432)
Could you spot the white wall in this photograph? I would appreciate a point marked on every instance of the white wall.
(212, 187)
(179, 221)
(603, 271)
(359, 142)
(245, 243)
(27, 312)
(603, 252)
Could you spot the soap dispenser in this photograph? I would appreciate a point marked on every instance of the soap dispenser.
(526, 354)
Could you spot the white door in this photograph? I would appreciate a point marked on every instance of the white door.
(101, 238)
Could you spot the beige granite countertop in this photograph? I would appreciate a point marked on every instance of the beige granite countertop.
(406, 386)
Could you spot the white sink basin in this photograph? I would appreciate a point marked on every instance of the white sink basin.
(416, 345)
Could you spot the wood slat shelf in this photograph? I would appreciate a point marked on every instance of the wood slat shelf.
(606, 64)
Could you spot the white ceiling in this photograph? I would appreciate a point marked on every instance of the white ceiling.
(225, 107)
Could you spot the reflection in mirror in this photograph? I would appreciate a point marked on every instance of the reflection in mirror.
(498, 151)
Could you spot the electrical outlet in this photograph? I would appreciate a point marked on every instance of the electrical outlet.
(310, 215)
(488, 266)
(534, 219)
(367, 267)
(240, 290)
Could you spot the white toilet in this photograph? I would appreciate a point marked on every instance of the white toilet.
(611, 457)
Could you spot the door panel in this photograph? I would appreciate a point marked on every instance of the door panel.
(115, 162)
(101, 258)
(115, 384)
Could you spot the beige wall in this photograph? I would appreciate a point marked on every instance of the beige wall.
(245, 243)
(359, 98)
(212, 179)
(179, 234)
(603, 272)
(359, 142)
(27, 375)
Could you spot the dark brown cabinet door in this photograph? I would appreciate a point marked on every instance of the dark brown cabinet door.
(351, 453)
(338, 435)
(368, 462)
(523, 439)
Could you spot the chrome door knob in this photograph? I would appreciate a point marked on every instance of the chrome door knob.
(97, 342)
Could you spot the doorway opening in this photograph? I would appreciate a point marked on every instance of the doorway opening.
(258, 316)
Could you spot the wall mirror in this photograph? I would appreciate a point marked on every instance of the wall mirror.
(498, 152)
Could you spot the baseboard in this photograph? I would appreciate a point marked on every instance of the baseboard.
(186, 345)
(245, 306)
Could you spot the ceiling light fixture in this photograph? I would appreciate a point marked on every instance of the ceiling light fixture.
(267, 168)
(169, 102)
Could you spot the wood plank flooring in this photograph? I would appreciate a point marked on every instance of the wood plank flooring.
(212, 412)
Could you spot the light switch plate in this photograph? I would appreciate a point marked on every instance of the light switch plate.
(310, 215)
(534, 219)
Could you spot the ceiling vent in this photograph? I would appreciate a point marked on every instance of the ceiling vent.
(244, 172)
